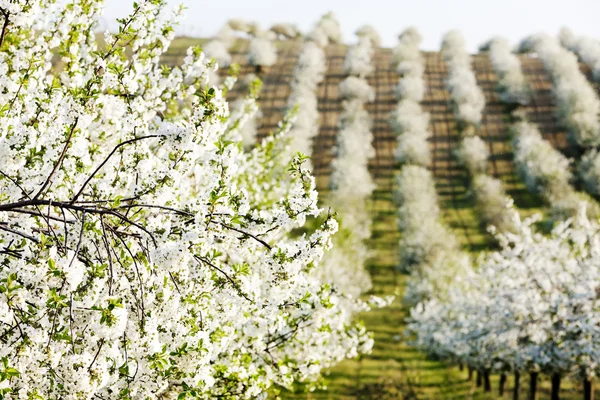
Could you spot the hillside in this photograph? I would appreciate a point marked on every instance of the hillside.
(394, 369)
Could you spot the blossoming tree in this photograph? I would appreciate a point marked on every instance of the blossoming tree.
(143, 254)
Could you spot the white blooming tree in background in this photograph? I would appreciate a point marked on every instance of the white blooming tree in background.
(286, 30)
(428, 249)
(351, 182)
(467, 97)
(262, 52)
(512, 86)
(218, 49)
(587, 49)
(545, 171)
(309, 72)
(577, 101)
(409, 121)
(528, 307)
(531, 307)
(142, 253)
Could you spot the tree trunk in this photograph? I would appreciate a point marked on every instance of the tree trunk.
(533, 380)
(461, 367)
(470, 374)
(487, 385)
(555, 395)
(501, 384)
(588, 389)
(517, 385)
(479, 378)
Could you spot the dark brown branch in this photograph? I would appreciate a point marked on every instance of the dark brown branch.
(90, 210)
(24, 235)
(259, 240)
(15, 183)
(99, 167)
(234, 283)
(176, 211)
(5, 25)
(46, 217)
(96, 356)
(48, 180)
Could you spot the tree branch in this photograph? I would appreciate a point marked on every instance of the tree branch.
(117, 147)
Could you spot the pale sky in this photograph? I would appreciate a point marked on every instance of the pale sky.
(477, 19)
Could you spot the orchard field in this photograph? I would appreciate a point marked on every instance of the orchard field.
(271, 213)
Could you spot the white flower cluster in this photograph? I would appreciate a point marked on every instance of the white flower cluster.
(532, 306)
(356, 88)
(142, 253)
(586, 48)
(512, 85)
(243, 26)
(409, 121)
(492, 203)
(467, 97)
(545, 170)
(370, 33)
(578, 103)
(406, 56)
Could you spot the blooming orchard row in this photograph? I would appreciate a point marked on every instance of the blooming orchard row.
(262, 51)
(143, 254)
(426, 244)
(545, 171)
(578, 103)
(409, 121)
(512, 86)
(466, 95)
(351, 182)
(428, 249)
(492, 203)
(531, 306)
(308, 74)
(586, 48)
